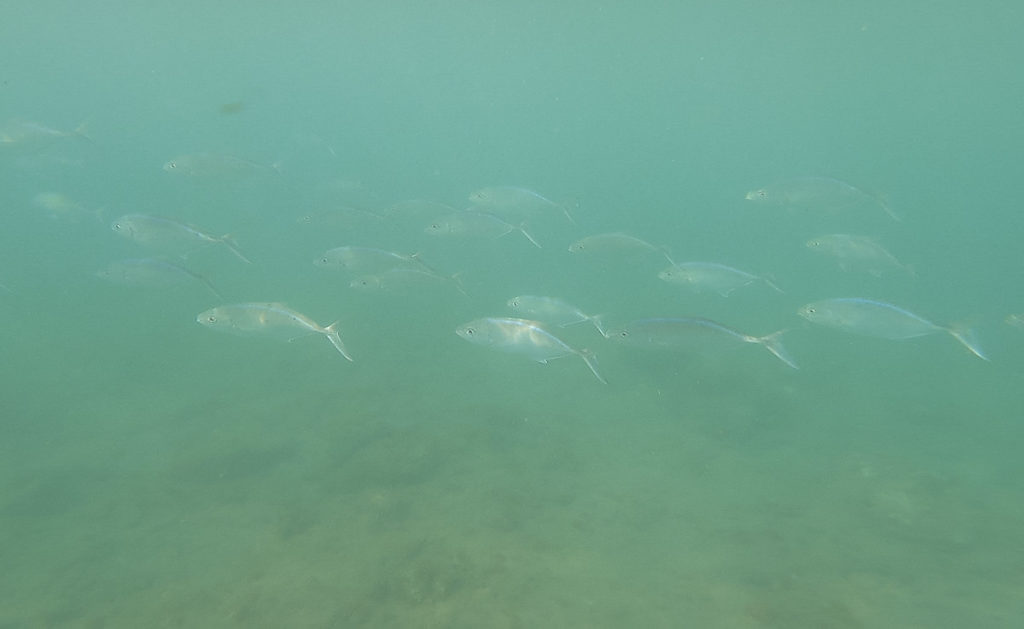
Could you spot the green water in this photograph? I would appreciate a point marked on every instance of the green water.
(156, 473)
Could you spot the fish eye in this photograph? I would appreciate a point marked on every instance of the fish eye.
(811, 310)
(470, 331)
(172, 165)
(624, 334)
(211, 319)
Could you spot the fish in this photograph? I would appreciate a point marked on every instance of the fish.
(868, 317)
(163, 233)
(822, 193)
(472, 223)
(25, 132)
(151, 272)
(404, 278)
(525, 337)
(505, 200)
(216, 165)
(683, 333)
(711, 276)
(1016, 320)
(553, 311)
(59, 206)
(858, 252)
(270, 320)
(368, 259)
(616, 241)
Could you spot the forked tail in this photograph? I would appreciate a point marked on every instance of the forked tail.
(773, 343)
(331, 332)
(591, 360)
(229, 242)
(965, 336)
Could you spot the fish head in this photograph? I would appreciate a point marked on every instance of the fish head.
(577, 246)
(437, 228)
(761, 194)
(123, 226)
(482, 196)
(811, 312)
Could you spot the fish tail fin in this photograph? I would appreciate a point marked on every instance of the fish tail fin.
(769, 280)
(591, 359)
(565, 209)
(965, 336)
(229, 242)
(522, 230)
(457, 279)
(82, 131)
(335, 339)
(773, 343)
(667, 252)
(598, 321)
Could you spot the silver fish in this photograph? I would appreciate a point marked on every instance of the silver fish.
(172, 236)
(522, 336)
(26, 132)
(368, 260)
(59, 206)
(711, 276)
(151, 272)
(404, 278)
(471, 223)
(857, 252)
(216, 165)
(272, 320)
(553, 311)
(880, 319)
(506, 200)
(686, 333)
(822, 193)
(616, 241)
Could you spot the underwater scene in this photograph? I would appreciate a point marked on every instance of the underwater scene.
(511, 315)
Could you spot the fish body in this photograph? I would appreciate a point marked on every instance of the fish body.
(822, 193)
(616, 241)
(152, 272)
(59, 206)
(879, 319)
(26, 132)
(553, 311)
(683, 333)
(163, 233)
(399, 279)
(513, 200)
(702, 276)
(857, 252)
(215, 165)
(471, 223)
(271, 320)
(367, 260)
(524, 337)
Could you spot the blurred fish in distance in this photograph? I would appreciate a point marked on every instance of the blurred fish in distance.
(59, 206)
(151, 272)
(471, 223)
(170, 236)
(701, 276)
(232, 108)
(515, 201)
(880, 319)
(355, 259)
(271, 320)
(28, 133)
(854, 252)
(688, 333)
(616, 242)
(817, 193)
(404, 279)
(217, 166)
(1015, 320)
